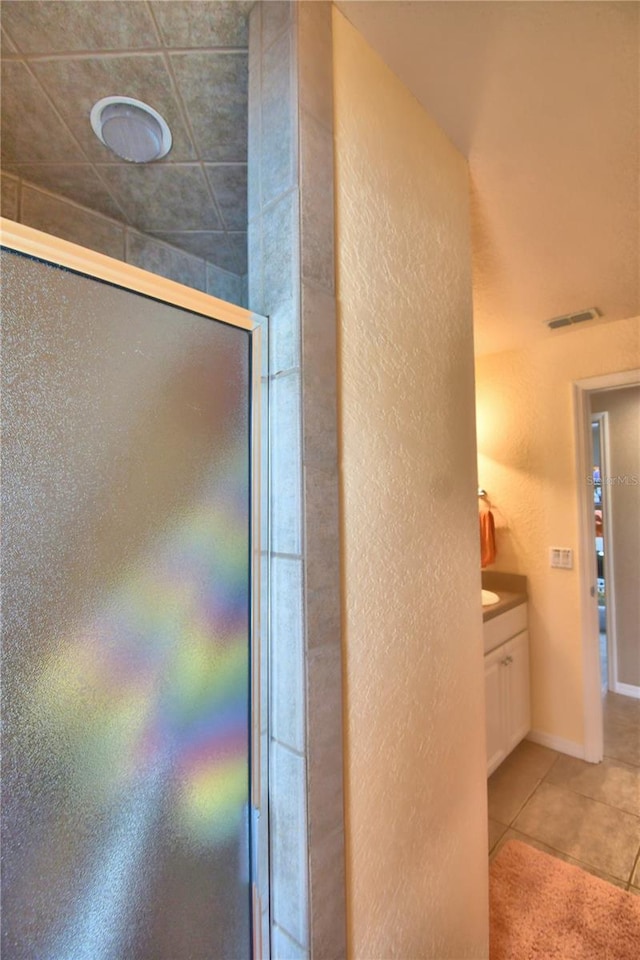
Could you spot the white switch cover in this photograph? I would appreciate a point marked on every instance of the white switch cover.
(561, 557)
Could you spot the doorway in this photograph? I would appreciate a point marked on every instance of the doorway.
(605, 585)
(131, 768)
(608, 486)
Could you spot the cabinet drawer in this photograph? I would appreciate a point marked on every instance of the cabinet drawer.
(503, 627)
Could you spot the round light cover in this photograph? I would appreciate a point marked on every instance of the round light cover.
(131, 129)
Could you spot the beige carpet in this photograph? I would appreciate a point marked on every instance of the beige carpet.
(545, 909)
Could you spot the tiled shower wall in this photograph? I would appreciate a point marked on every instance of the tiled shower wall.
(291, 279)
(54, 214)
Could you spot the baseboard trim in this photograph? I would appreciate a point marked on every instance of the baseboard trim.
(628, 690)
(569, 747)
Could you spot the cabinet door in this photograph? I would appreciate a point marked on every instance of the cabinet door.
(518, 694)
(495, 708)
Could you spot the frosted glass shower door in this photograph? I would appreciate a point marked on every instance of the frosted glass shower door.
(126, 554)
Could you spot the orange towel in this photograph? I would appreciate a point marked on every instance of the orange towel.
(599, 526)
(487, 538)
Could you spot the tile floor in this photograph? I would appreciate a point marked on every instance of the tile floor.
(585, 813)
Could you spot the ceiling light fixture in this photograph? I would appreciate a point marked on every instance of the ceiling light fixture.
(131, 129)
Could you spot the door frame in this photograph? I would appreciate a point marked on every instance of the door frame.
(602, 419)
(592, 684)
(42, 246)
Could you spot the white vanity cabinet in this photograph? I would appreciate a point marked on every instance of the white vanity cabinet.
(506, 681)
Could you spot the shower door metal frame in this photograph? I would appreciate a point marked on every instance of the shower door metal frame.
(97, 266)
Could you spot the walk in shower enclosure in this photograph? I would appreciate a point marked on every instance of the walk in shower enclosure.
(130, 560)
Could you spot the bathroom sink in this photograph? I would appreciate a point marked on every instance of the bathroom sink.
(489, 598)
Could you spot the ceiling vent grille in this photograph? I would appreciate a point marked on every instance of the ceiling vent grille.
(590, 314)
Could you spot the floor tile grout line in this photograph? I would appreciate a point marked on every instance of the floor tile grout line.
(635, 864)
(625, 763)
(584, 796)
(524, 803)
(570, 789)
(629, 763)
(622, 762)
(584, 864)
(506, 827)
(544, 779)
(587, 796)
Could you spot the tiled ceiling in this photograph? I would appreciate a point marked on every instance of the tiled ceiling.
(188, 60)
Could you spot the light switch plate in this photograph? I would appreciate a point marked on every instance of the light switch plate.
(561, 557)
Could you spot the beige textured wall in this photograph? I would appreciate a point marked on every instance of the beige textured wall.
(526, 462)
(415, 749)
(623, 407)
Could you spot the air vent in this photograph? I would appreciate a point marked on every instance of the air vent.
(591, 314)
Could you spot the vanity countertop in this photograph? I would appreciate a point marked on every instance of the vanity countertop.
(508, 600)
